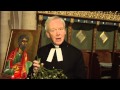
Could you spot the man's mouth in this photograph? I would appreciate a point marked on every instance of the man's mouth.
(58, 39)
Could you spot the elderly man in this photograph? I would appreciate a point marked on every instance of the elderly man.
(59, 54)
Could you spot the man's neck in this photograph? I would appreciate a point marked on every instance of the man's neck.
(58, 45)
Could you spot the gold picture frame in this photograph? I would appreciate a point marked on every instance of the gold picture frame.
(32, 45)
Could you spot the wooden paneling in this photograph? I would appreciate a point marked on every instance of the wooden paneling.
(87, 56)
(94, 49)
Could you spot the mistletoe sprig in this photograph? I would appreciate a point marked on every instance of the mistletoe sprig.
(43, 73)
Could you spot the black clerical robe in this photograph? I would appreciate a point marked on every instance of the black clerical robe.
(72, 65)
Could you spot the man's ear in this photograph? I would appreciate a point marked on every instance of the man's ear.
(65, 31)
(48, 35)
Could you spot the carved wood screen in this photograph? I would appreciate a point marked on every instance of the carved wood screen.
(93, 32)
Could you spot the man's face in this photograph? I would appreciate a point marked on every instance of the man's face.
(56, 31)
(24, 44)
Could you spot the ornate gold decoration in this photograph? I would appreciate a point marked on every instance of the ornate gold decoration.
(80, 35)
(101, 15)
(69, 33)
(40, 17)
(98, 23)
(72, 20)
(103, 37)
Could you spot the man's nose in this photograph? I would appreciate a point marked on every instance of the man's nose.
(58, 32)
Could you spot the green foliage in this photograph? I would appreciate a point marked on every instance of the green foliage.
(43, 73)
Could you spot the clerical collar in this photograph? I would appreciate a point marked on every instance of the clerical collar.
(58, 54)
(56, 46)
(64, 44)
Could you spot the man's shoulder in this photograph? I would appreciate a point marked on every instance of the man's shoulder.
(45, 46)
(73, 47)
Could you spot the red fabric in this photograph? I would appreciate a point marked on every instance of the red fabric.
(20, 70)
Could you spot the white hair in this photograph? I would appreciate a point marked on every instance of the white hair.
(52, 18)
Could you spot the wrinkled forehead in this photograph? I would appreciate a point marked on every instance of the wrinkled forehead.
(56, 23)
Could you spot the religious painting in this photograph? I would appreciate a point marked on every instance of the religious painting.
(21, 51)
